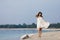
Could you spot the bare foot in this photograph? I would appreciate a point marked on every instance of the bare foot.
(39, 36)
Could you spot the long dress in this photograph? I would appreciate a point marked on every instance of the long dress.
(41, 23)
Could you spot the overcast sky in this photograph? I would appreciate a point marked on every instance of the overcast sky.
(24, 11)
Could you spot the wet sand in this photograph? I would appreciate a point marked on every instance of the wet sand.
(46, 36)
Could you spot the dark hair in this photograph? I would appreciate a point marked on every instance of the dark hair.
(38, 14)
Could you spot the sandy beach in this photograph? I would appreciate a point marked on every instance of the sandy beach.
(46, 36)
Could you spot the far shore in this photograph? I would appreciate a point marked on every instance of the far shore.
(28, 29)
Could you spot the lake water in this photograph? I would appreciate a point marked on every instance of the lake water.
(16, 34)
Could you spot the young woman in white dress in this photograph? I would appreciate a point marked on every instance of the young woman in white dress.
(41, 23)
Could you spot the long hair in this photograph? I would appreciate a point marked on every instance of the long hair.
(39, 15)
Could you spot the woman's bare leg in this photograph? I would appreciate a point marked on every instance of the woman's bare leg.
(39, 32)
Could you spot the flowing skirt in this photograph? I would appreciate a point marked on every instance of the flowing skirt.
(43, 24)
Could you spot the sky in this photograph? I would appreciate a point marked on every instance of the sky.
(24, 11)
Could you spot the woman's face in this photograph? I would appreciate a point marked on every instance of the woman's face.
(39, 14)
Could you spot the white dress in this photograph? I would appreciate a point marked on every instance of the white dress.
(41, 23)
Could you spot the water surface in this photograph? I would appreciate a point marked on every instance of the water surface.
(16, 34)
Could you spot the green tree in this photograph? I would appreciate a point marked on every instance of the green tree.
(33, 25)
(24, 25)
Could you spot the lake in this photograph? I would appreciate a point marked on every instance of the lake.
(15, 34)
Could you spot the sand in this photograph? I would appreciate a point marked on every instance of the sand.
(46, 36)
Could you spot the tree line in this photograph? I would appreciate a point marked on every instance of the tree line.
(33, 25)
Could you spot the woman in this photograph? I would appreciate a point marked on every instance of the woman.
(41, 23)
